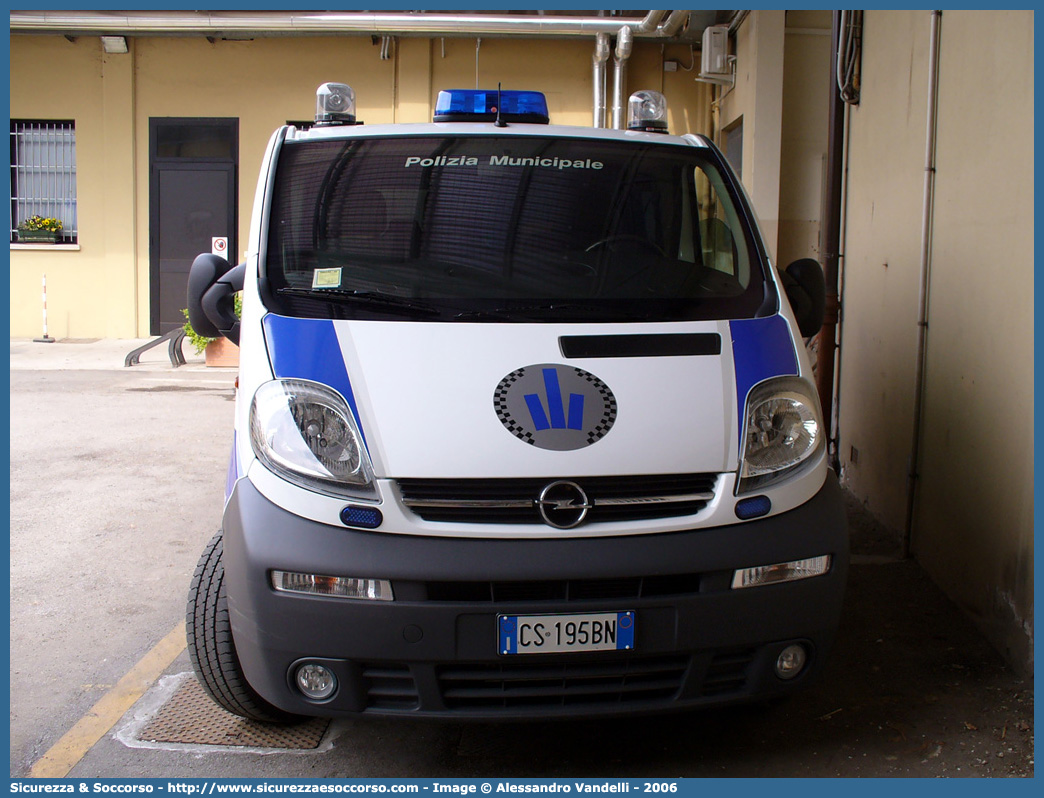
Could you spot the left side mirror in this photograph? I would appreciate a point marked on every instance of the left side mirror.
(806, 289)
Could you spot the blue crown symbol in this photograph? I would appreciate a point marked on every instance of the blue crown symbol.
(555, 416)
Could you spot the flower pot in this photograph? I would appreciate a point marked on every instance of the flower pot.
(37, 237)
(222, 353)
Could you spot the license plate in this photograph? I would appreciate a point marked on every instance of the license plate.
(556, 634)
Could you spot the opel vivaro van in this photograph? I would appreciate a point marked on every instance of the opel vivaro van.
(525, 427)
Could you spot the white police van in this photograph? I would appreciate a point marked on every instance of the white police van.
(525, 427)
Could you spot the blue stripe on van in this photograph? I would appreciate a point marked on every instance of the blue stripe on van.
(307, 349)
(761, 348)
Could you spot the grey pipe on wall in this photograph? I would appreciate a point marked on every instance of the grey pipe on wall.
(624, 43)
(599, 59)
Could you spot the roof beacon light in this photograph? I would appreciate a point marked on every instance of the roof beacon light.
(334, 104)
(480, 105)
(647, 110)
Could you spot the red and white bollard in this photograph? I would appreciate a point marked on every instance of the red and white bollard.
(46, 338)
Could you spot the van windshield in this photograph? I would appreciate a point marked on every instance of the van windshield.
(507, 228)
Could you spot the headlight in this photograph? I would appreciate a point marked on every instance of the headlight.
(781, 431)
(305, 432)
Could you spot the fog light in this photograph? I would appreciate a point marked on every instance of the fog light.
(791, 661)
(318, 683)
(335, 586)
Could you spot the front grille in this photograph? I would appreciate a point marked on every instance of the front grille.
(389, 686)
(514, 501)
(533, 685)
(564, 589)
(727, 672)
(530, 685)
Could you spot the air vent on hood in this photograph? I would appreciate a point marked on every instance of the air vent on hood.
(666, 345)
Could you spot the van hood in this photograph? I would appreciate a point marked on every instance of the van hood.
(469, 400)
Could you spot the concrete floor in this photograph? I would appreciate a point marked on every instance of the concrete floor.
(116, 484)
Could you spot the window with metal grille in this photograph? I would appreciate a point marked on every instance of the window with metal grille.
(43, 176)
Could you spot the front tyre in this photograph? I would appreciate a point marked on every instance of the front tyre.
(211, 647)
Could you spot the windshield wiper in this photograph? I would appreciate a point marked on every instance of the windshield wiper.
(373, 299)
(556, 311)
(495, 314)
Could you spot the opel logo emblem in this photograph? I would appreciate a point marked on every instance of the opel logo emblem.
(563, 505)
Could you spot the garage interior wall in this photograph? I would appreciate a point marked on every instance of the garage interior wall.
(802, 166)
(780, 99)
(100, 288)
(756, 102)
(973, 514)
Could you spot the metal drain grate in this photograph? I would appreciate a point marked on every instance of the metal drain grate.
(189, 717)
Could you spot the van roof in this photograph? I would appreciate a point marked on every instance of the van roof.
(322, 133)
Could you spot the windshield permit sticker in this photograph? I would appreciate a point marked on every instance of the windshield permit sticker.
(555, 407)
(326, 278)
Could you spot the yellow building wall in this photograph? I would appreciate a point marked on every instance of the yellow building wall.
(101, 289)
(251, 81)
(90, 288)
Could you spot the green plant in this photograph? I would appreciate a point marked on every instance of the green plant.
(199, 342)
(36, 223)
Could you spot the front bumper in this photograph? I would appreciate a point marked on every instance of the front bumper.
(432, 651)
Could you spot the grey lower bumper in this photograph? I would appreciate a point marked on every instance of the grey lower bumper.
(432, 651)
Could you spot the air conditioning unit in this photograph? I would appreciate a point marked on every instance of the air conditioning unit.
(715, 60)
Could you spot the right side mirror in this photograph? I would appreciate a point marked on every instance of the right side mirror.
(212, 285)
(806, 289)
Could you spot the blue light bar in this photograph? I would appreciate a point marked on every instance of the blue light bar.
(479, 105)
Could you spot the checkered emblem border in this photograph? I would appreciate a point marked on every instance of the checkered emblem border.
(594, 433)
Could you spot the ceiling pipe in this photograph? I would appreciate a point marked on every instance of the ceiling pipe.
(327, 23)
(624, 42)
(651, 22)
(599, 59)
(673, 24)
(737, 19)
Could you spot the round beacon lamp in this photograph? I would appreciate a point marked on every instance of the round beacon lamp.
(647, 110)
(334, 104)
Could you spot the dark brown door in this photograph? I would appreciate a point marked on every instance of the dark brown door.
(192, 201)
